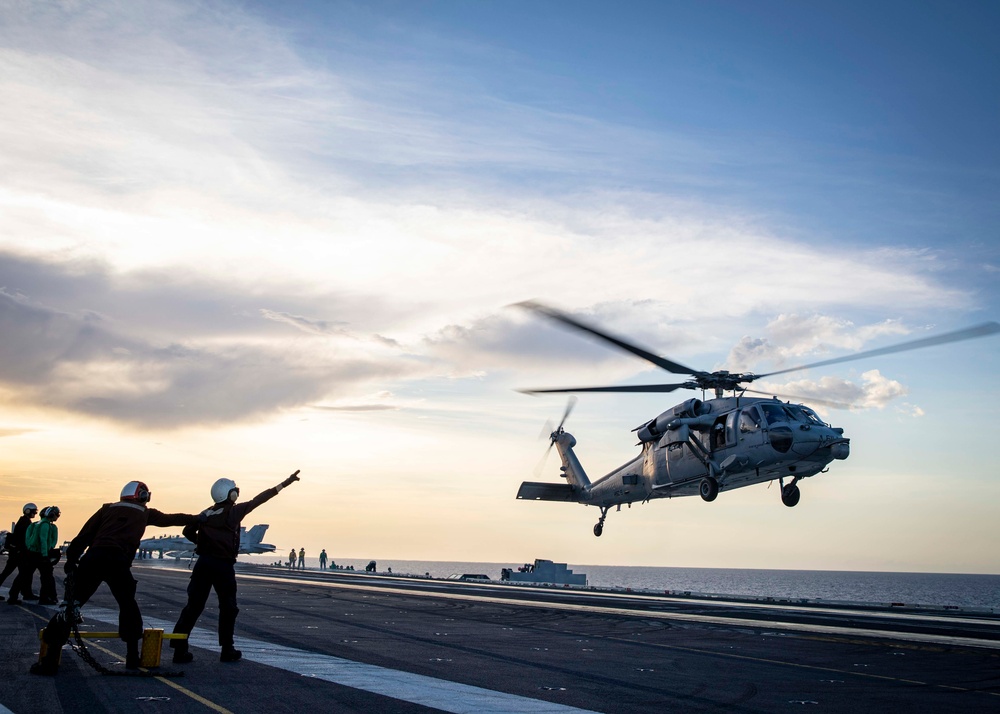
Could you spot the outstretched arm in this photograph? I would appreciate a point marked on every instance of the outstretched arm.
(288, 481)
(241, 509)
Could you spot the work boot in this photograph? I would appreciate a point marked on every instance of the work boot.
(230, 654)
(132, 655)
(46, 668)
(31, 596)
(183, 656)
(12, 600)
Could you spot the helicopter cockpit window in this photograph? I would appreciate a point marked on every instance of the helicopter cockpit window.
(775, 413)
(801, 413)
(812, 417)
(749, 420)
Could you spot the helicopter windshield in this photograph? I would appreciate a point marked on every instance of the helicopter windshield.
(801, 413)
(775, 413)
(812, 417)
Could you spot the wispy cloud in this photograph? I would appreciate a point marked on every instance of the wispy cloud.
(99, 364)
(220, 229)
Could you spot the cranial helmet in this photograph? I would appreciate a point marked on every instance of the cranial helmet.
(29, 508)
(222, 490)
(51, 512)
(136, 492)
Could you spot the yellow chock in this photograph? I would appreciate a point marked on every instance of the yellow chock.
(152, 646)
(43, 647)
(152, 643)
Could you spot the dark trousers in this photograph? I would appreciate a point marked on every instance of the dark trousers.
(101, 566)
(26, 566)
(10, 567)
(47, 590)
(210, 572)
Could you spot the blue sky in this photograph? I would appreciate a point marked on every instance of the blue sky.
(245, 238)
(785, 107)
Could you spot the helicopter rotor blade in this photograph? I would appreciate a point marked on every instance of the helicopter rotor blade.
(811, 400)
(631, 388)
(983, 330)
(570, 403)
(544, 460)
(562, 317)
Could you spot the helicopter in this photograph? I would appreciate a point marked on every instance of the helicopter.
(707, 446)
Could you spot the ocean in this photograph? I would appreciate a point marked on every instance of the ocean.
(979, 592)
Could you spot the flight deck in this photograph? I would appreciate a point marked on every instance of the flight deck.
(347, 641)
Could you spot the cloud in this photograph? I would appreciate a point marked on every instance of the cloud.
(800, 336)
(875, 391)
(220, 228)
(102, 365)
(315, 327)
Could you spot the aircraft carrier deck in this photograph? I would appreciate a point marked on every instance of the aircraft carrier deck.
(350, 642)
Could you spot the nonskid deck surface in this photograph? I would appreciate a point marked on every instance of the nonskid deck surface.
(349, 642)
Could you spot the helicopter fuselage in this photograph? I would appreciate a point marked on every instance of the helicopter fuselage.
(704, 447)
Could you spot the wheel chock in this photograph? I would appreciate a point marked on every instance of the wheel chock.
(152, 644)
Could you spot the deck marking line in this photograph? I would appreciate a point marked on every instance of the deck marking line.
(415, 688)
(187, 692)
(659, 615)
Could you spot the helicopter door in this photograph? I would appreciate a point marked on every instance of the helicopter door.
(724, 431)
(751, 427)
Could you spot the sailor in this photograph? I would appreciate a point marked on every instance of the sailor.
(302, 558)
(217, 541)
(16, 555)
(291, 558)
(42, 554)
(322, 559)
(110, 538)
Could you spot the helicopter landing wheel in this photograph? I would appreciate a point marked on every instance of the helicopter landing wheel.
(599, 528)
(790, 495)
(708, 488)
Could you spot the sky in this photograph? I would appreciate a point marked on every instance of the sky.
(243, 238)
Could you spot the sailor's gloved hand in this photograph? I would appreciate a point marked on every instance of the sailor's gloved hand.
(70, 567)
(291, 479)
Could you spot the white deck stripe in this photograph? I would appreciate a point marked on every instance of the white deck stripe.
(405, 686)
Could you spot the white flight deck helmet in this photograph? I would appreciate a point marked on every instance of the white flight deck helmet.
(223, 490)
(29, 509)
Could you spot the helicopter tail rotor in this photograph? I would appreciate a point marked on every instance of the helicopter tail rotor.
(553, 434)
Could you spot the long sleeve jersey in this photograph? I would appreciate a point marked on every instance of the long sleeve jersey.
(219, 534)
(42, 537)
(15, 541)
(119, 526)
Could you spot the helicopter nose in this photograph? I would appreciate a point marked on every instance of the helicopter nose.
(841, 450)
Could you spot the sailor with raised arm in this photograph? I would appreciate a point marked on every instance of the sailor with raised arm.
(217, 540)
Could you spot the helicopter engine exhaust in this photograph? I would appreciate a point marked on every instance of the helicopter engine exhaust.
(656, 428)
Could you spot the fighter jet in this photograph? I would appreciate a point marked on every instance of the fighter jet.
(180, 547)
